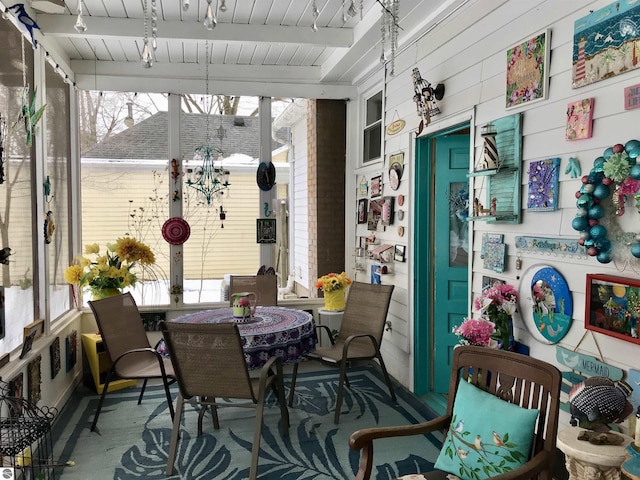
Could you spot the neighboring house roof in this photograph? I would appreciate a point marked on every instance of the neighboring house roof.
(149, 140)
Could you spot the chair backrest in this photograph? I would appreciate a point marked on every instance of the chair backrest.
(120, 326)
(515, 378)
(264, 286)
(365, 311)
(208, 360)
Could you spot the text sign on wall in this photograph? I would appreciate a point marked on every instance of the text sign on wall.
(632, 97)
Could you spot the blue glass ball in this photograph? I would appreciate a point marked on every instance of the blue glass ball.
(595, 177)
(630, 145)
(635, 249)
(580, 223)
(633, 154)
(635, 172)
(596, 211)
(601, 191)
(587, 188)
(602, 244)
(607, 153)
(583, 212)
(584, 201)
(604, 257)
(598, 231)
(585, 235)
(598, 164)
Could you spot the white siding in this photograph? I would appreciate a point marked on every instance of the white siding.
(467, 53)
(300, 219)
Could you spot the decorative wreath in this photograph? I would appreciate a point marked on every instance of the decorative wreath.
(615, 170)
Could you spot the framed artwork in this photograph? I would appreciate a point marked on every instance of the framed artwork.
(362, 210)
(376, 186)
(605, 42)
(399, 253)
(374, 214)
(71, 346)
(16, 390)
(543, 185)
(387, 211)
(363, 187)
(36, 326)
(490, 238)
(33, 370)
(54, 353)
(266, 230)
(528, 70)
(579, 119)
(27, 343)
(495, 255)
(491, 282)
(613, 306)
(396, 159)
(375, 274)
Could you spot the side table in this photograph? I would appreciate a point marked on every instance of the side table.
(330, 318)
(586, 461)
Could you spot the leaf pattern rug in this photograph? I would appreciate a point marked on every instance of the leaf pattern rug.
(131, 441)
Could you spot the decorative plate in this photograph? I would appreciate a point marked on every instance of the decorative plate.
(545, 303)
(176, 231)
(266, 176)
(394, 180)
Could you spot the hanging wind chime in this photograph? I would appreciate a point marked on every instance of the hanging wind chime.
(28, 113)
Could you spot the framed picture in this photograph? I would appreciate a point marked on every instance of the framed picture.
(528, 70)
(266, 230)
(612, 306)
(54, 354)
(35, 379)
(604, 42)
(399, 253)
(362, 210)
(374, 214)
(375, 275)
(387, 211)
(543, 185)
(71, 347)
(36, 326)
(376, 186)
(579, 119)
(27, 343)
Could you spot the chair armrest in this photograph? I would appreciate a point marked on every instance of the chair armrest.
(329, 334)
(363, 440)
(351, 338)
(361, 437)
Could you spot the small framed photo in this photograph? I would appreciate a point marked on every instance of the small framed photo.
(528, 70)
(362, 210)
(399, 253)
(612, 306)
(266, 230)
(36, 326)
(376, 186)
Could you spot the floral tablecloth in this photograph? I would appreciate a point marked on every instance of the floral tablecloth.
(285, 332)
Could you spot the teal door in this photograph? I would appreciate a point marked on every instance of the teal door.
(442, 257)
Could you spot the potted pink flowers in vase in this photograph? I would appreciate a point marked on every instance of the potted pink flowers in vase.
(476, 331)
(498, 304)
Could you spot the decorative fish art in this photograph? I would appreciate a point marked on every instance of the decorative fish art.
(599, 401)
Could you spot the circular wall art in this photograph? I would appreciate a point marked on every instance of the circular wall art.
(266, 176)
(176, 230)
(546, 304)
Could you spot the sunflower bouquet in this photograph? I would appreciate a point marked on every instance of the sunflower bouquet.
(109, 272)
(333, 281)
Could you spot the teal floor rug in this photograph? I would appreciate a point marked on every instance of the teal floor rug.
(131, 441)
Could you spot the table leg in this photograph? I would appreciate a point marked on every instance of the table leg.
(579, 470)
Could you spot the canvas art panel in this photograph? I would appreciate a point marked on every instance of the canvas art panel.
(376, 186)
(528, 70)
(605, 42)
(266, 230)
(54, 353)
(543, 185)
(579, 119)
(362, 210)
(71, 347)
(35, 379)
(495, 255)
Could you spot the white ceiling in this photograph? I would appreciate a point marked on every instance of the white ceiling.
(259, 47)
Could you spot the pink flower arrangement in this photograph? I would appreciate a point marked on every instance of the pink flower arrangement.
(498, 304)
(475, 331)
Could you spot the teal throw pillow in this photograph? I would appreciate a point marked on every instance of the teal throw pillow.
(487, 436)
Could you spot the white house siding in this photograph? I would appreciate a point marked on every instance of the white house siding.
(467, 52)
(299, 211)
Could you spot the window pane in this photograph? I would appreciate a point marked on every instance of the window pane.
(16, 227)
(125, 180)
(57, 170)
(374, 108)
(217, 247)
(372, 142)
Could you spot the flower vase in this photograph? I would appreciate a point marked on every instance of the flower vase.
(334, 300)
(100, 293)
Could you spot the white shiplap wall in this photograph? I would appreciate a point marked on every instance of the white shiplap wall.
(467, 52)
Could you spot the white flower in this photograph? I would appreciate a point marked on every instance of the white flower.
(509, 308)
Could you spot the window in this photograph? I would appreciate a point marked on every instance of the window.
(16, 212)
(372, 145)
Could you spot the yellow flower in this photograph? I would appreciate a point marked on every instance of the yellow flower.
(91, 248)
(83, 261)
(73, 274)
(331, 281)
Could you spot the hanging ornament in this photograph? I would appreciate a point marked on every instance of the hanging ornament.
(28, 113)
(210, 19)
(314, 13)
(146, 57)
(80, 25)
(49, 223)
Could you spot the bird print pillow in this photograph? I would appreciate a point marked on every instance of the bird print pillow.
(487, 436)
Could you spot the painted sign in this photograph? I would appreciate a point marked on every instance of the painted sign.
(395, 127)
(632, 97)
(587, 364)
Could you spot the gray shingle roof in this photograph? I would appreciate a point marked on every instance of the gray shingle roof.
(148, 139)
